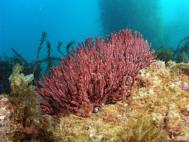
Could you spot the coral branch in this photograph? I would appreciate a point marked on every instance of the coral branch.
(100, 72)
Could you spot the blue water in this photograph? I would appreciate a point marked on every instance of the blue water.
(23, 21)
(162, 22)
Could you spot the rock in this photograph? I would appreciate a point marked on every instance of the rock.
(6, 127)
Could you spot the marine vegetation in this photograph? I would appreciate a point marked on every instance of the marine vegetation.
(50, 59)
(180, 54)
(33, 67)
(25, 116)
(182, 51)
(6, 67)
(100, 72)
(165, 54)
(7, 64)
(144, 129)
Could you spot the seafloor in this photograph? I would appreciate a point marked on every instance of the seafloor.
(157, 111)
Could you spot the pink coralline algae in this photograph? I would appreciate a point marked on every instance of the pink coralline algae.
(185, 86)
(100, 72)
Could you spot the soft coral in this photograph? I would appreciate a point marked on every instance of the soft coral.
(100, 72)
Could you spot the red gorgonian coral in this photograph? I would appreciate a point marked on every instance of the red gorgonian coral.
(100, 72)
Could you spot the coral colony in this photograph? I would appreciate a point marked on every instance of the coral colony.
(101, 71)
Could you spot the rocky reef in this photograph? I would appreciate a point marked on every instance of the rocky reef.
(109, 90)
(158, 111)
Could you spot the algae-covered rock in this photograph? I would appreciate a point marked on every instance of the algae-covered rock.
(29, 124)
(157, 111)
(22, 95)
(6, 126)
(184, 67)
